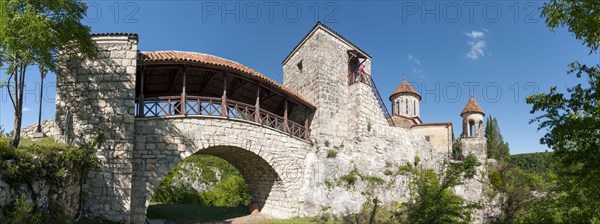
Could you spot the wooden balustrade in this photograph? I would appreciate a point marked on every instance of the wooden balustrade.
(213, 106)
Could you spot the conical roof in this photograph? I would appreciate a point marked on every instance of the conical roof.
(472, 107)
(405, 87)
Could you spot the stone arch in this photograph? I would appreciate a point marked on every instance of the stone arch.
(270, 161)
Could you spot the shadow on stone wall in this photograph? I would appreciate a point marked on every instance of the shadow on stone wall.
(97, 98)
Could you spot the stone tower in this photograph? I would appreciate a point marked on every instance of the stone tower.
(406, 100)
(319, 68)
(97, 97)
(473, 140)
(472, 116)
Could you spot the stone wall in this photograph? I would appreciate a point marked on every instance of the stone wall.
(49, 129)
(97, 97)
(271, 162)
(472, 189)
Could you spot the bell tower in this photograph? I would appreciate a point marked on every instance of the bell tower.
(473, 140)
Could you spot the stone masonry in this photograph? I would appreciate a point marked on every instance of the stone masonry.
(97, 98)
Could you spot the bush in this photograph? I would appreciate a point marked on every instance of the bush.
(331, 153)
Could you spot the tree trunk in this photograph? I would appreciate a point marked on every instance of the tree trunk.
(19, 87)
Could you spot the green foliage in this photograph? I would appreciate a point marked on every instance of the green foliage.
(21, 210)
(579, 16)
(457, 150)
(331, 153)
(328, 184)
(350, 179)
(497, 148)
(230, 190)
(539, 162)
(37, 31)
(432, 199)
(34, 33)
(327, 143)
(417, 159)
(404, 169)
(468, 166)
(433, 202)
(515, 187)
(572, 120)
(25, 163)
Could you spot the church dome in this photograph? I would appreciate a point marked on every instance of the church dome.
(472, 107)
(405, 87)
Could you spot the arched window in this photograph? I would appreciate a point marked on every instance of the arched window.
(406, 112)
(472, 129)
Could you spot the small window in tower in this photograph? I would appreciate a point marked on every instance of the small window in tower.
(428, 138)
(414, 108)
(300, 66)
(406, 107)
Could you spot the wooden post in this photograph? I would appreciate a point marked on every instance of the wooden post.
(257, 105)
(224, 97)
(183, 102)
(306, 123)
(141, 103)
(286, 128)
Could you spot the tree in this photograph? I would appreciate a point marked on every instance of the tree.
(497, 148)
(572, 119)
(432, 199)
(36, 32)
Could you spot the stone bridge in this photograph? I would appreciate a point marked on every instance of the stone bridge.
(271, 162)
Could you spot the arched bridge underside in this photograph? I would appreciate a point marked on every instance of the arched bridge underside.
(271, 161)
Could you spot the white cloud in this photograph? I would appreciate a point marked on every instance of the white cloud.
(476, 34)
(25, 109)
(414, 59)
(477, 43)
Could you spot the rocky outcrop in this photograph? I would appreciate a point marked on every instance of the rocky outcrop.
(49, 129)
(47, 192)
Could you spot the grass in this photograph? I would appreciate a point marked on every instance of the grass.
(192, 213)
(46, 141)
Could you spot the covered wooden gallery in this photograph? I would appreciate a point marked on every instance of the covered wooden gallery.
(173, 83)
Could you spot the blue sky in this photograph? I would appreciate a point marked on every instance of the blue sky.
(500, 49)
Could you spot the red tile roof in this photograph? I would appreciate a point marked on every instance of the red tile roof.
(180, 56)
(405, 87)
(472, 107)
